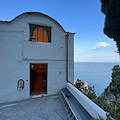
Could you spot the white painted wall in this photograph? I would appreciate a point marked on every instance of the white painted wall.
(17, 52)
(71, 57)
(94, 110)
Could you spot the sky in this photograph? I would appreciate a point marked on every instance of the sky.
(83, 17)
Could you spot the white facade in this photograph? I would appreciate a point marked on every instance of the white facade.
(17, 52)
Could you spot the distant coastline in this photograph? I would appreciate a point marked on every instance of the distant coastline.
(95, 73)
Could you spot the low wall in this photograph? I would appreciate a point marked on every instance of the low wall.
(94, 110)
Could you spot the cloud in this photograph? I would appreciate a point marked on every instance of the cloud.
(101, 45)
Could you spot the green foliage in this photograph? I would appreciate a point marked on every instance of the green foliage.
(102, 102)
(79, 84)
(117, 114)
(112, 92)
(111, 9)
(90, 92)
(114, 86)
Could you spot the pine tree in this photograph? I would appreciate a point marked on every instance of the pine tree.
(111, 9)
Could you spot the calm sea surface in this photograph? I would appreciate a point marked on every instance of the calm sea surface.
(97, 74)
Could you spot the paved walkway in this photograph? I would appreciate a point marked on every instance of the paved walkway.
(43, 108)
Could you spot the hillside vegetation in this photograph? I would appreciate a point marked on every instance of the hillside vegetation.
(109, 100)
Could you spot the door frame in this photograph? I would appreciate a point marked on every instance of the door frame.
(46, 79)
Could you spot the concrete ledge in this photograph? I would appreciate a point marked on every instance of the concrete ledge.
(94, 110)
(75, 107)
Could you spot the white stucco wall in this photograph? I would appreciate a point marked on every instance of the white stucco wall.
(17, 52)
(71, 57)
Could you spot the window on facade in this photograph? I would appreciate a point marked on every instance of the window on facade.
(40, 33)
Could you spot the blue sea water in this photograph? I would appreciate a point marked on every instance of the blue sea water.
(95, 73)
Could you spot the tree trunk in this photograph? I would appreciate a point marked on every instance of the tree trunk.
(113, 110)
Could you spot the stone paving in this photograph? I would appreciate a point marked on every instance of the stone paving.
(43, 108)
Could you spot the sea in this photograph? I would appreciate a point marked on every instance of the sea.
(97, 74)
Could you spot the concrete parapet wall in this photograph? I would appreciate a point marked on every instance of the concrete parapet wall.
(94, 110)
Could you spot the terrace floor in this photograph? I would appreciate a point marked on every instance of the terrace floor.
(43, 108)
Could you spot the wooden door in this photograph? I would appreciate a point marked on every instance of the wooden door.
(38, 73)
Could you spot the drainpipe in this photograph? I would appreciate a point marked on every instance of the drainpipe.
(67, 34)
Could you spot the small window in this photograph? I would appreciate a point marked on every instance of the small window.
(40, 33)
